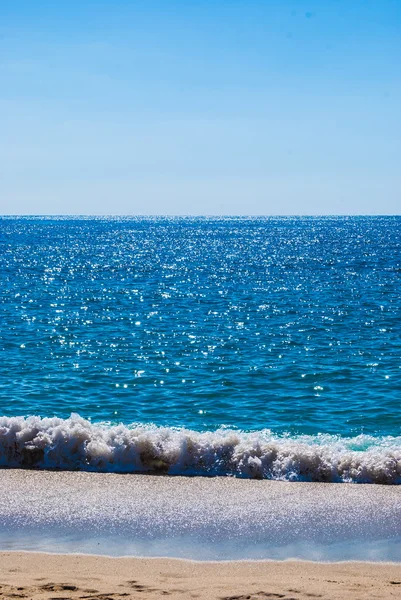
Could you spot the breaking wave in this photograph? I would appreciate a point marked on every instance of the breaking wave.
(79, 445)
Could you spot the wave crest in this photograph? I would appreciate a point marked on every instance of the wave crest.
(78, 444)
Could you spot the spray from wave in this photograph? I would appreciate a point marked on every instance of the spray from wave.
(79, 445)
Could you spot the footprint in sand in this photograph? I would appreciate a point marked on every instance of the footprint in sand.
(257, 596)
(58, 587)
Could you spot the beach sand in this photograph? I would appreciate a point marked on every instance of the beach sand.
(77, 577)
(77, 512)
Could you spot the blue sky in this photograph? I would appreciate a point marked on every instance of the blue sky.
(200, 107)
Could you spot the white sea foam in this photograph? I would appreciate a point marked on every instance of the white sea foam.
(78, 444)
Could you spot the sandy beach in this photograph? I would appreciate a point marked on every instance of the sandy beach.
(76, 577)
(91, 522)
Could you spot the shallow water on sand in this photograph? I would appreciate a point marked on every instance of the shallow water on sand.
(199, 518)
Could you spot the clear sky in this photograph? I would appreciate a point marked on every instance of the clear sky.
(200, 107)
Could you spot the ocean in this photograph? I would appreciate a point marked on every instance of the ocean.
(264, 348)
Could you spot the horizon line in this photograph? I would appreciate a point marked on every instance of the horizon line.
(192, 216)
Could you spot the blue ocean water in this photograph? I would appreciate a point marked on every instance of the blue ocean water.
(227, 335)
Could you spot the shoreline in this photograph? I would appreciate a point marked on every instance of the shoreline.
(198, 518)
(177, 559)
(43, 576)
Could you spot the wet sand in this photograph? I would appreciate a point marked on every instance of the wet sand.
(197, 518)
(98, 519)
(76, 577)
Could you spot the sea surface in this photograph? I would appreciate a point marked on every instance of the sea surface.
(251, 347)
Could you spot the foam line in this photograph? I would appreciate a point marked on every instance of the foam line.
(78, 444)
